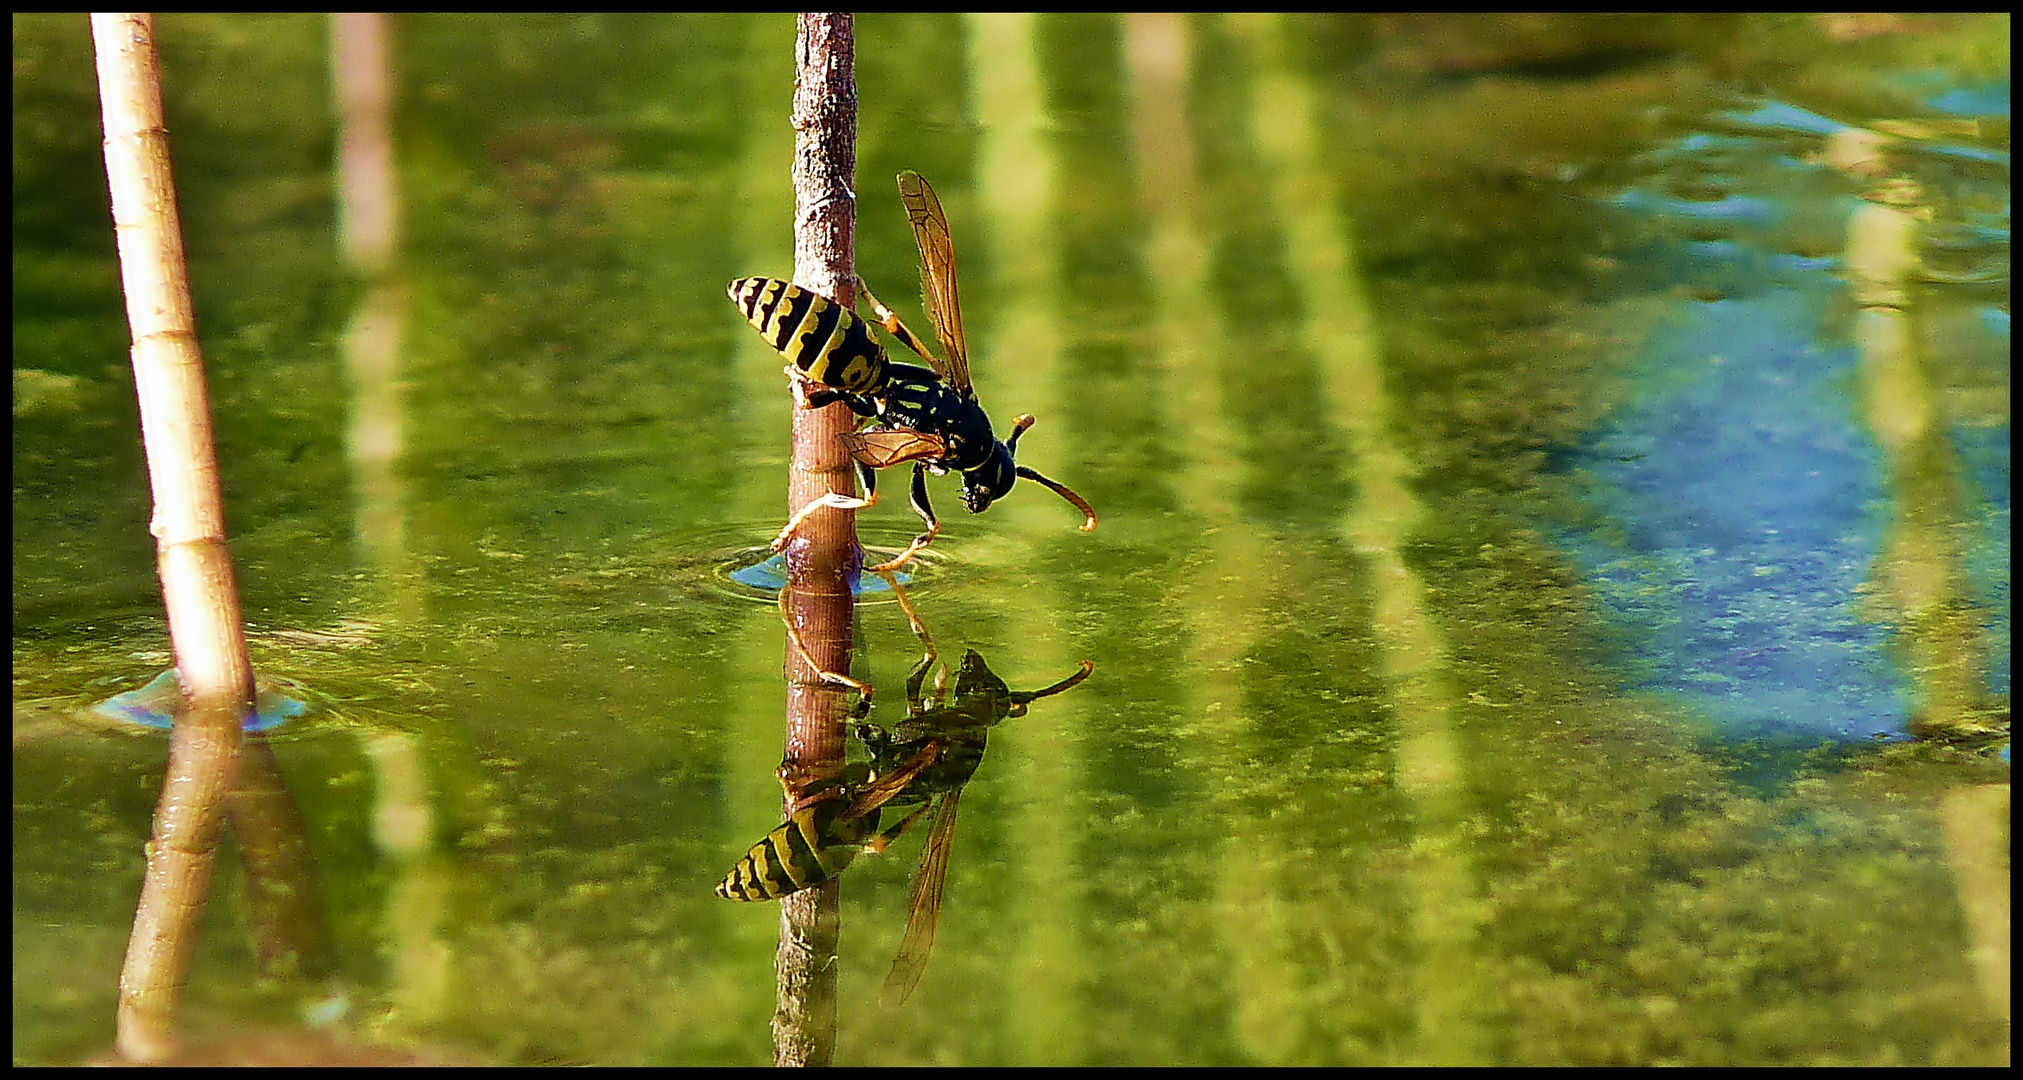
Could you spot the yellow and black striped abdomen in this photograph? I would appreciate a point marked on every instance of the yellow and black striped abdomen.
(807, 849)
(826, 341)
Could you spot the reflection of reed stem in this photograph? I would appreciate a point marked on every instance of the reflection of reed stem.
(824, 554)
(1921, 570)
(283, 896)
(1228, 594)
(1342, 330)
(368, 217)
(189, 528)
(203, 756)
(1976, 823)
(368, 203)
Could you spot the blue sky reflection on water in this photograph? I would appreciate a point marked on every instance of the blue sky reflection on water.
(1741, 497)
(1739, 503)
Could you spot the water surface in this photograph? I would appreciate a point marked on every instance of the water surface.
(1512, 609)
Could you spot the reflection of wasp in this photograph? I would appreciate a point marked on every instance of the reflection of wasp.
(954, 731)
(928, 417)
(828, 826)
(926, 759)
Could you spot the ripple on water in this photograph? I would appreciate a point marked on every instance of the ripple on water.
(758, 573)
(157, 705)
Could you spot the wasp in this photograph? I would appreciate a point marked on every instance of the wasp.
(828, 825)
(927, 759)
(929, 416)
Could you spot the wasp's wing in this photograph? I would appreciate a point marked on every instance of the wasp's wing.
(937, 275)
(883, 448)
(923, 908)
(888, 787)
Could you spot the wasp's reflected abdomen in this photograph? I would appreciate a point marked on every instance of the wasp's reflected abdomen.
(807, 849)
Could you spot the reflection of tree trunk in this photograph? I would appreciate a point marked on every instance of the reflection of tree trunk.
(1240, 569)
(1020, 185)
(804, 1023)
(1342, 332)
(824, 557)
(368, 213)
(283, 895)
(1921, 569)
(403, 828)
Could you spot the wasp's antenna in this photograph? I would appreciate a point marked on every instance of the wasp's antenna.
(1019, 426)
(1021, 699)
(1064, 492)
(1011, 445)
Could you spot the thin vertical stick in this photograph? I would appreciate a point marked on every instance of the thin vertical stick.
(825, 556)
(189, 528)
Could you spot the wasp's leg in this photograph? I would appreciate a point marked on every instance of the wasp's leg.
(809, 394)
(919, 674)
(906, 604)
(914, 705)
(865, 473)
(926, 511)
(806, 784)
(889, 319)
(833, 499)
(795, 780)
(799, 382)
(828, 395)
(893, 784)
(794, 636)
(884, 840)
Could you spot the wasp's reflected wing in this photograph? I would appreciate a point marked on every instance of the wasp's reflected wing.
(889, 786)
(923, 909)
(937, 275)
(883, 448)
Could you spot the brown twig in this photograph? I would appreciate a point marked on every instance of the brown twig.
(189, 529)
(824, 557)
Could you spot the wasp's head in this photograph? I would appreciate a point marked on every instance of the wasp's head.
(990, 481)
(975, 678)
(993, 480)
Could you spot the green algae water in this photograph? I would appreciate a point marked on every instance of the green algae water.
(1535, 619)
